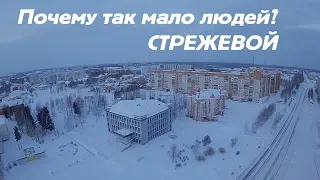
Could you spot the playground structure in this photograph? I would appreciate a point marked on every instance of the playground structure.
(30, 154)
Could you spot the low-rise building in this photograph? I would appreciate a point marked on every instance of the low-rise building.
(109, 88)
(206, 105)
(139, 120)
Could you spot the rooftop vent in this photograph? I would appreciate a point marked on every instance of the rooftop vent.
(138, 104)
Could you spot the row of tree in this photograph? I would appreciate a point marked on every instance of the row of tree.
(130, 92)
(175, 153)
(317, 93)
(31, 127)
(76, 107)
(292, 85)
(310, 94)
(263, 117)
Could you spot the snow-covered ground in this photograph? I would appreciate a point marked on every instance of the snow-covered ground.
(293, 153)
(302, 160)
(90, 151)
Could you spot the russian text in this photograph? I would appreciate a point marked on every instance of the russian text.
(216, 42)
(164, 18)
(264, 17)
(119, 18)
(41, 18)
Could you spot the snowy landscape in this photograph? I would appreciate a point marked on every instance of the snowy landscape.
(251, 140)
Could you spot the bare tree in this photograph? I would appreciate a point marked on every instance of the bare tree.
(99, 105)
(1, 169)
(68, 120)
(285, 99)
(195, 148)
(206, 140)
(201, 158)
(53, 108)
(69, 101)
(209, 151)
(277, 119)
(173, 152)
(233, 142)
(263, 116)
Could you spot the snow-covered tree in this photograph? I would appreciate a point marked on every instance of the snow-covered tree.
(18, 136)
(30, 124)
(222, 150)
(78, 107)
(45, 120)
(50, 124)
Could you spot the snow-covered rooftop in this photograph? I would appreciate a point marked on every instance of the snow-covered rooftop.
(17, 93)
(138, 108)
(12, 102)
(123, 132)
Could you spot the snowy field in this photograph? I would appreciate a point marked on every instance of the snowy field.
(90, 151)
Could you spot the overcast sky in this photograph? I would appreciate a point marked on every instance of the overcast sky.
(27, 47)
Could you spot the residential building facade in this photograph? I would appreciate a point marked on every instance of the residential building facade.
(146, 70)
(144, 119)
(54, 77)
(242, 86)
(180, 67)
(206, 105)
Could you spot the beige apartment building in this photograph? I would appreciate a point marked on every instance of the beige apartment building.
(250, 86)
(206, 105)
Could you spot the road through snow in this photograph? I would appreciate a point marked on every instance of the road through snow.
(301, 159)
(290, 154)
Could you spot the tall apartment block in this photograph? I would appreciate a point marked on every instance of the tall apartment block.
(250, 86)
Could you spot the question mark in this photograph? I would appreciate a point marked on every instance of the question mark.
(275, 13)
